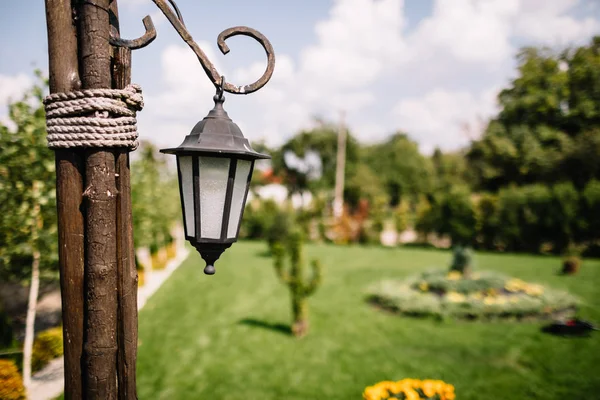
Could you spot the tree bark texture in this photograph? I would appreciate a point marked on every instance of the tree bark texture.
(64, 77)
(100, 325)
(127, 284)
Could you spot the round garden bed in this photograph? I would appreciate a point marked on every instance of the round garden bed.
(481, 295)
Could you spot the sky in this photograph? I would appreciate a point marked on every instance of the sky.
(429, 68)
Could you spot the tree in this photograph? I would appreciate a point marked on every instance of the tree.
(155, 200)
(403, 170)
(322, 141)
(548, 129)
(27, 203)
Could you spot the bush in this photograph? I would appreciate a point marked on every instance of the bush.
(565, 215)
(258, 217)
(462, 259)
(279, 229)
(486, 215)
(47, 346)
(11, 383)
(402, 216)
(591, 209)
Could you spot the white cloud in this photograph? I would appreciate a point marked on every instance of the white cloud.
(546, 21)
(439, 118)
(468, 30)
(454, 61)
(12, 88)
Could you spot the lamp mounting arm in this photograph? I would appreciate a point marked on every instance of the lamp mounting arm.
(175, 18)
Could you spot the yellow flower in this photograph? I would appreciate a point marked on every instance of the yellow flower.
(454, 276)
(429, 388)
(455, 297)
(489, 300)
(477, 295)
(534, 290)
(514, 285)
(423, 286)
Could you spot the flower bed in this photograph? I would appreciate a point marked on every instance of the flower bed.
(480, 295)
(410, 389)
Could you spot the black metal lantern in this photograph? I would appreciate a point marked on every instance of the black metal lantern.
(215, 164)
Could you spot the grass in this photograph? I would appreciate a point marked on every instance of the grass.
(225, 336)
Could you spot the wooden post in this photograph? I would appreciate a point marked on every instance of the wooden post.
(100, 326)
(64, 77)
(127, 283)
(340, 167)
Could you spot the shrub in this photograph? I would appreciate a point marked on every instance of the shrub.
(279, 229)
(46, 346)
(11, 383)
(258, 217)
(565, 214)
(293, 277)
(462, 259)
(457, 215)
(571, 265)
(402, 216)
(486, 215)
(591, 209)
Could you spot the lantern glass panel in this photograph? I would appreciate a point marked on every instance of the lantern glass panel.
(186, 183)
(214, 175)
(240, 187)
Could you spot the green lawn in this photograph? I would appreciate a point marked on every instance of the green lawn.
(223, 337)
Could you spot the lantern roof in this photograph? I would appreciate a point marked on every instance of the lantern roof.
(216, 135)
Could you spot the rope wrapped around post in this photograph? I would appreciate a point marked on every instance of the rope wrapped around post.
(93, 118)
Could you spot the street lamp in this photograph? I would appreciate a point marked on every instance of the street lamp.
(215, 161)
(214, 164)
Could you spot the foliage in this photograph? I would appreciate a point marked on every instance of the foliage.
(402, 216)
(462, 260)
(47, 346)
(547, 129)
(450, 169)
(449, 213)
(155, 198)
(591, 209)
(323, 141)
(363, 184)
(485, 295)
(294, 278)
(27, 176)
(410, 389)
(258, 217)
(280, 228)
(404, 171)
(11, 384)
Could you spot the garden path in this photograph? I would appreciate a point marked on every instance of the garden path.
(48, 383)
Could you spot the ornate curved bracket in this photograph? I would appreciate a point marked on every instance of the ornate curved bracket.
(176, 20)
(138, 43)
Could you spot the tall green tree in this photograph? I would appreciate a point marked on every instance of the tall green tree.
(548, 129)
(404, 171)
(28, 230)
